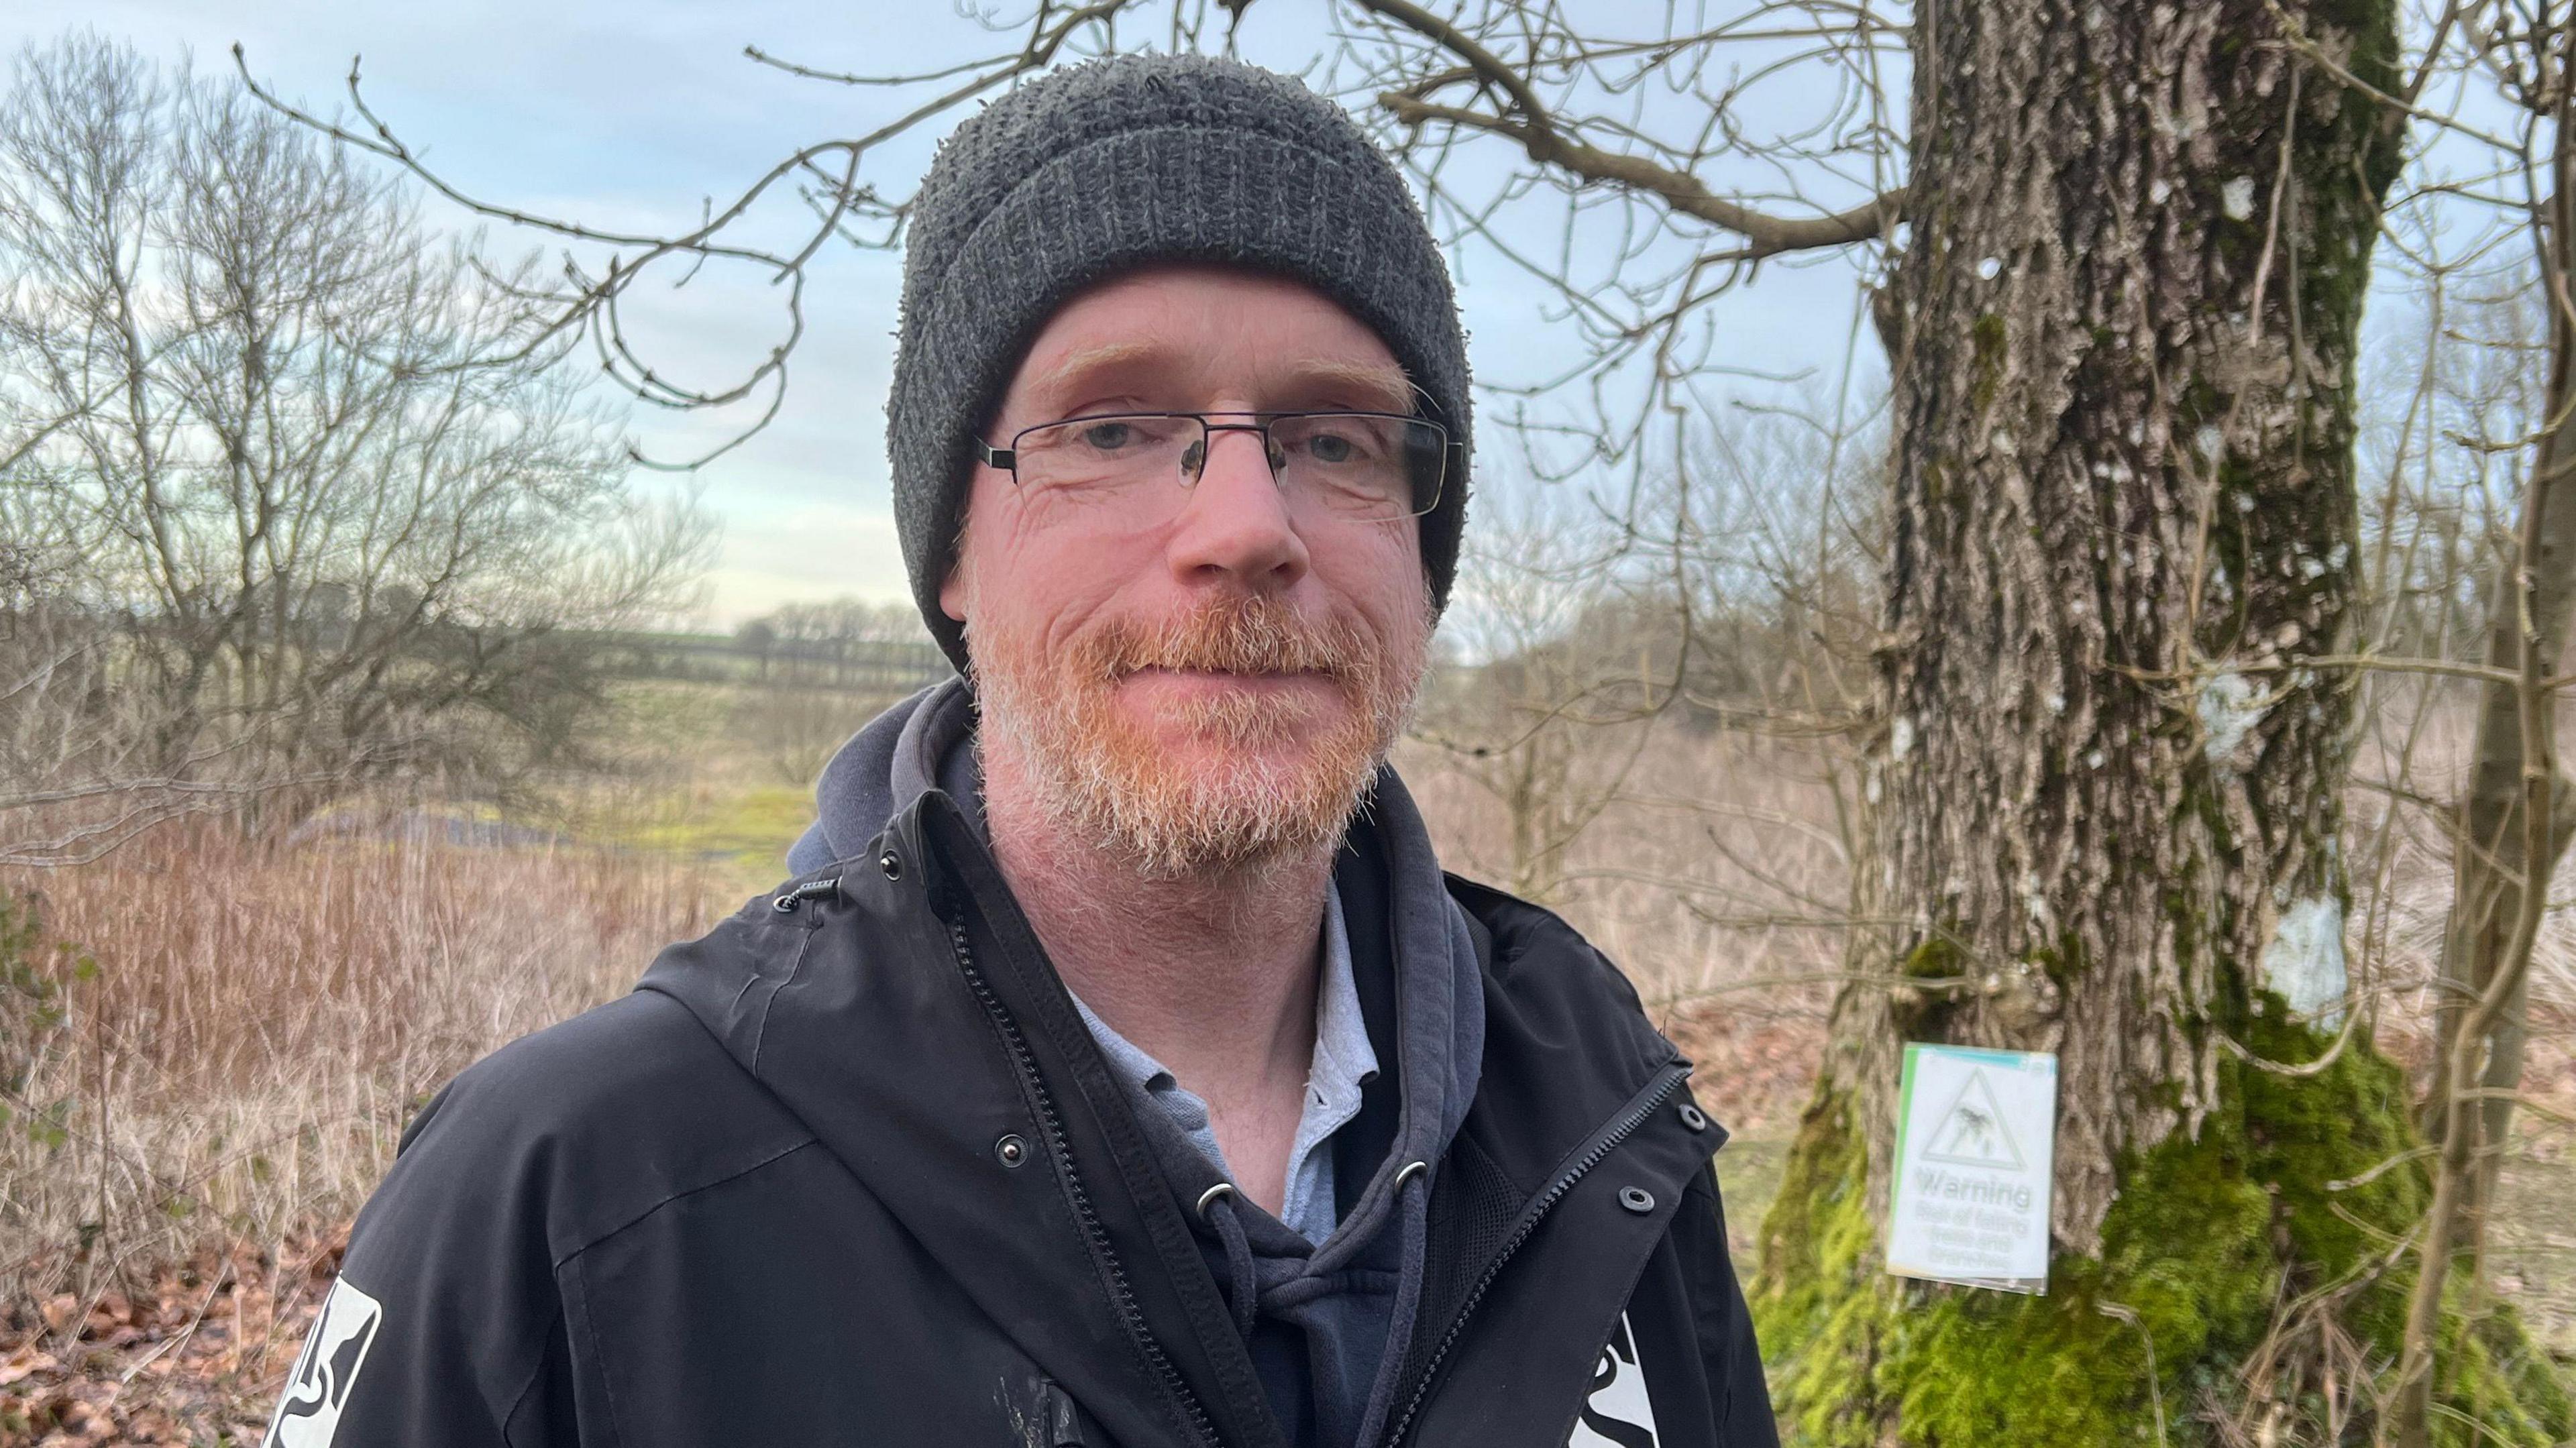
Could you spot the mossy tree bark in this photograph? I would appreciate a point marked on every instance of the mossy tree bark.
(2108, 787)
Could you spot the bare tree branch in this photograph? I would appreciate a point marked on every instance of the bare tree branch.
(1527, 122)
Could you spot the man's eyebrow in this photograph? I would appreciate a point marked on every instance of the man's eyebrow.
(1364, 384)
(1109, 356)
(1370, 385)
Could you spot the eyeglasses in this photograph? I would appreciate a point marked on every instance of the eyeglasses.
(1364, 466)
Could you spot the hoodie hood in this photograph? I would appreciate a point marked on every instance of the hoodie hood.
(901, 754)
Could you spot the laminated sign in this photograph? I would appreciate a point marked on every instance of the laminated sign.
(1975, 1132)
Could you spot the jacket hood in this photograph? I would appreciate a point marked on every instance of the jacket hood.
(885, 767)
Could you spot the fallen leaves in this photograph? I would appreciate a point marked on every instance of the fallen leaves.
(197, 1358)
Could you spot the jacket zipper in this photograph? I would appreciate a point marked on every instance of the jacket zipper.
(1122, 1295)
(1647, 1105)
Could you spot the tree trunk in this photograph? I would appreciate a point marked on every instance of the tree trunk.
(2490, 856)
(2108, 788)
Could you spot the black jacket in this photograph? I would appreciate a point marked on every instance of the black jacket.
(851, 1170)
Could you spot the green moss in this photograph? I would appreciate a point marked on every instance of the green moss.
(2063, 962)
(2347, 169)
(1818, 1298)
(2286, 1189)
(2498, 1387)
(2209, 1235)
(1920, 1014)
(2372, 27)
(2185, 1252)
(1937, 958)
(2320, 1142)
(1986, 373)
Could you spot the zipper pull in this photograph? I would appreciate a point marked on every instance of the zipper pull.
(786, 900)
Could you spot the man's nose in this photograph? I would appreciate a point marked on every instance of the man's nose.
(1236, 522)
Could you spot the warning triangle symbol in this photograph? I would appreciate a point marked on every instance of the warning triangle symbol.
(1972, 1131)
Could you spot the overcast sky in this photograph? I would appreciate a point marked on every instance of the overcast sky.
(629, 114)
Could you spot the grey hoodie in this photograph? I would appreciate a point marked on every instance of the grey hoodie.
(1317, 1317)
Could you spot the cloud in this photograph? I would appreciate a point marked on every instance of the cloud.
(807, 554)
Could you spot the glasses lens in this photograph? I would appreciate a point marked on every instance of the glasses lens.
(1362, 464)
(1094, 454)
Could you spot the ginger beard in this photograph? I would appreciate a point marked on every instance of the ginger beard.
(1269, 773)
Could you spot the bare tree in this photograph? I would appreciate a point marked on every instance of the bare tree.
(1542, 718)
(316, 510)
(1596, 632)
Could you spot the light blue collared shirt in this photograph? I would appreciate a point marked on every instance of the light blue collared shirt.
(1343, 1063)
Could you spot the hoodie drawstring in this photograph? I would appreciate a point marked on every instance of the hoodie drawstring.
(1414, 1186)
(1217, 1205)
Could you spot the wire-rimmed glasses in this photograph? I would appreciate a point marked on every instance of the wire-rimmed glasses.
(1364, 466)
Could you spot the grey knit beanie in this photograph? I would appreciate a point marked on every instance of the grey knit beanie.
(1104, 167)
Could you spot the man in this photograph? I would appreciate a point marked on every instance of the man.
(1119, 1067)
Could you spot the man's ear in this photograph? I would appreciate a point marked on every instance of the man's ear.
(952, 589)
(952, 594)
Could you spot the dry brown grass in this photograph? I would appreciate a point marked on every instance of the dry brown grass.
(262, 1021)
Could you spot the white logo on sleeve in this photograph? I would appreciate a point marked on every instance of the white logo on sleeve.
(310, 1412)
(1616, 1412)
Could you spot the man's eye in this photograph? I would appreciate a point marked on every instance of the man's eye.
(1345, 443)
(1108, 436)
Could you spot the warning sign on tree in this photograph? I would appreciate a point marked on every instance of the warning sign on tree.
(1975, 1131)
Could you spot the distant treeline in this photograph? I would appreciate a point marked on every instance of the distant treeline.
(872, 666)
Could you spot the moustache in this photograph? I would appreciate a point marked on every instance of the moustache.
(1248, 636)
